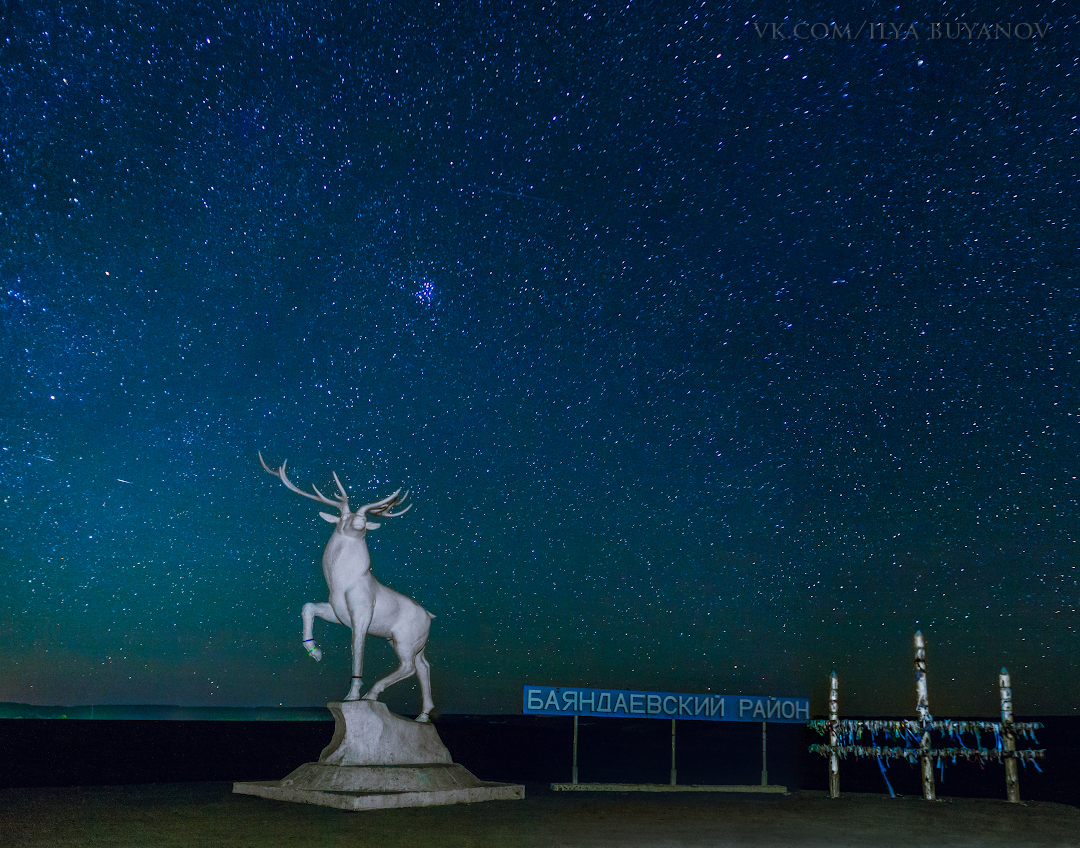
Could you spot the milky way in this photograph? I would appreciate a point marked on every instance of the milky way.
(711, 360)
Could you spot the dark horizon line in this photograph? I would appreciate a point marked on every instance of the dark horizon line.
(15, 711)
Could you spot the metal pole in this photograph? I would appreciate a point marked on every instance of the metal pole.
(923, 708)
(834, 759)
(764, 760)
(1012, 780)
(673, 752)
(574, 772)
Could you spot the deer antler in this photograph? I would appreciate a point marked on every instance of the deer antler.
(342, 503)
(382, 508)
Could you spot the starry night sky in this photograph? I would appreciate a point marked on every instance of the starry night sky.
(711, 361)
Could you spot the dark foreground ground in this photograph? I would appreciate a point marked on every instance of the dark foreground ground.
(208, 814)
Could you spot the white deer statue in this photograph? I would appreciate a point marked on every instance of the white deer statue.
(361, 602)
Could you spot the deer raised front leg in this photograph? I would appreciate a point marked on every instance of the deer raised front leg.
(308, 613)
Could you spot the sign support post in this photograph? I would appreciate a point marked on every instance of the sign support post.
(764, 761)
(673, 752)
(573, 771)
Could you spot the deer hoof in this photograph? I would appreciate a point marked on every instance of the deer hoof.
(423, 718)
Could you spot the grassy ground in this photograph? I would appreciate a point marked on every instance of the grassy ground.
(208, 814)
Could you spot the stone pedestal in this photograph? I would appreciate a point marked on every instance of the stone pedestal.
(378, 759)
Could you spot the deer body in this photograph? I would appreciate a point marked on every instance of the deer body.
(361, 602)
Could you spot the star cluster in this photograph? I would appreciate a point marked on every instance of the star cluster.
(711, 360)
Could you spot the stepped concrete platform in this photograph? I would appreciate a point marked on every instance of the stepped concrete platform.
(752, 788)
(378, 760)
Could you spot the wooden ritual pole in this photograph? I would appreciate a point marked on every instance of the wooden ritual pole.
(1012, 780)
(925, 718)
(834, 717)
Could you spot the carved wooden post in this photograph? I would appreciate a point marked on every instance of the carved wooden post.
(1012, 780)
(925, 718)
(834, 758)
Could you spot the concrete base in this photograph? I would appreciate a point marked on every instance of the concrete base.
(366, 733)
(377, 760)
(665, 787)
